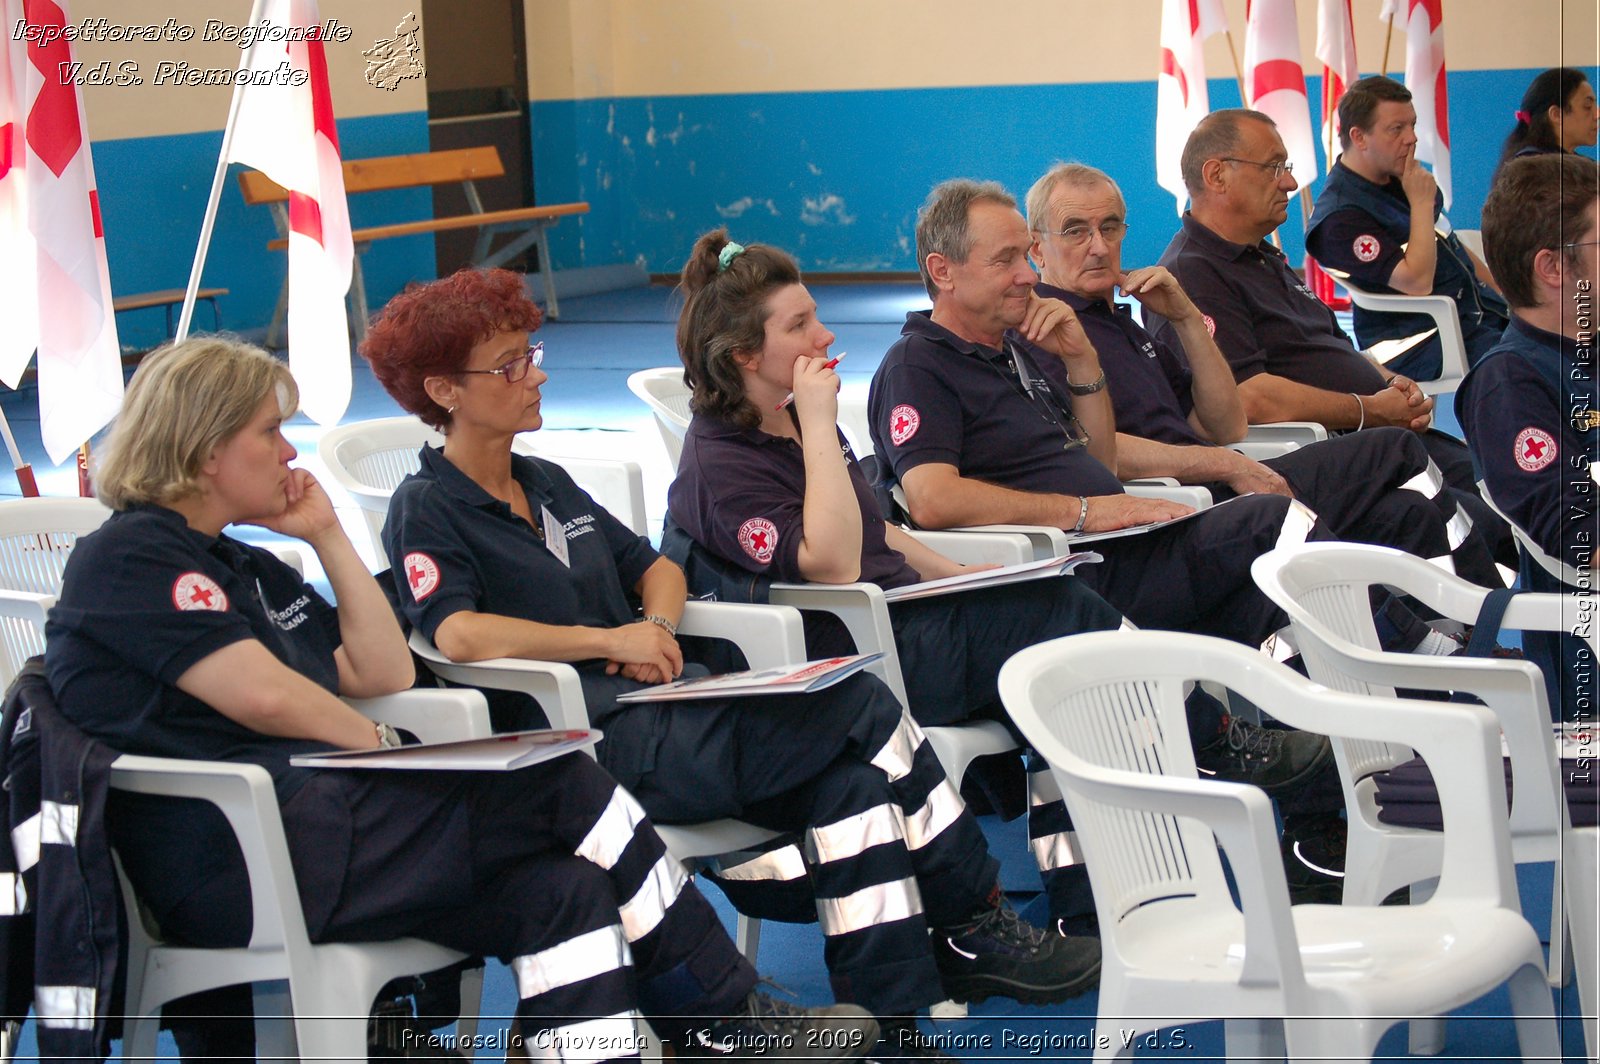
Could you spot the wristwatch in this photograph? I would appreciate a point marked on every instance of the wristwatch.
(656, 618)
(1096, 385)
(388, 738)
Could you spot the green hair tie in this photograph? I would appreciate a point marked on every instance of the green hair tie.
(729, 252)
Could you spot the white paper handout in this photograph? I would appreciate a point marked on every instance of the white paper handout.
(1007, 574)
(783, 680)
(496, 753)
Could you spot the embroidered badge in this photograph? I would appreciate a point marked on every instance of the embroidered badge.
(422, 575)
(1534, 449)
(1366, 247)
(759, 538)
(197, 591)
(903, 423)
(1211, 324)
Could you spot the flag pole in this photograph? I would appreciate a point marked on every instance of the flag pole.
(1388, 36)
(24, 471)
(216, 194)
(1238, 71)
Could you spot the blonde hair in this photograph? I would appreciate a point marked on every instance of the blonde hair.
(184, 400)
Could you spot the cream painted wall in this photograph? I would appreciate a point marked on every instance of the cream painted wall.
(123, 111)
(582, 49)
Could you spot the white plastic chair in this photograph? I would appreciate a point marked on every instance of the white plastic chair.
(1308, 981)
(1446, 318)
(768, 637)
(330, 987)
(664, 392)
(1323, 587)
(1582, 863)
(1567, 574)
(369, 459)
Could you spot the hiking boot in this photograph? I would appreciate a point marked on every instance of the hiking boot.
(904, 1040)
(1270, 758)
(999, 954)
(766, 1028)
(1313, 860)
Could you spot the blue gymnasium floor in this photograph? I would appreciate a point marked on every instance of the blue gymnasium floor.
(590, 352)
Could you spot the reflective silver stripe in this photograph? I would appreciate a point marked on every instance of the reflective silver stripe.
(1056, 851)
(612, 831)
(885, 903)
(655, 895)
(898, 752)
(781, 865)
(69, 1008)
(1297, 522)
(943, 808)
(1459, 528)
(1428, 483)
(588, 1042)
(13, 895)
(25, 843)
(584, 957)
(1042, 788)
(60, 824)
(854, 835)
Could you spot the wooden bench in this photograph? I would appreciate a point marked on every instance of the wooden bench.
(464, 165)
(169, 298)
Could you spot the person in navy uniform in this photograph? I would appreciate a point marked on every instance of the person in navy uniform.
(1176, 405)
(173, 639)
(501, 555)
(1290, 358)
(1529, 408)
(772, 490)
(1380, 220)
(1558, 114)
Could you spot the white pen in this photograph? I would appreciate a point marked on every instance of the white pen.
(832, 362)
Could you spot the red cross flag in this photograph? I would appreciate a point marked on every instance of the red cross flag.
(1336, 47)
(287, 131)
(1181, 96)
(1275, 81)
(1425, 77)
(55, 290)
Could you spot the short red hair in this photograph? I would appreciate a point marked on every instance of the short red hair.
(429, 330)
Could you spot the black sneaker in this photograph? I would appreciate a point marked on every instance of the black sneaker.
(770, 1029)
(1273, 759)
(904, 1040)
(999, 954)
(393, 1031)
(1313, 860)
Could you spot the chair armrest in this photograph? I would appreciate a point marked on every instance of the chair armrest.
(865, 614)
(1047, 542)
(1446, 317)
(972, 547)
(553, 684)
(434, 715)
(1169, 489)
(768, 636)
(1303, 433)
(1263, 450)
(245, 796)
(291, 556)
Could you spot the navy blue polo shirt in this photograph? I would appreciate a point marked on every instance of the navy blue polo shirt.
(1150, 383)
(144, 598)
(1524, 409)
(939, 398)
(453, 546)
(1263, 317)
(740, 493)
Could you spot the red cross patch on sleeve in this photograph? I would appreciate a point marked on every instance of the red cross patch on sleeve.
(1534, 449)
(1366, 247)
(197, 591)
(422, 575)
(903, 423)
(759, 538)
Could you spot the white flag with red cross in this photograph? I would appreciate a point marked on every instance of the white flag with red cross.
(56, 287)
(1336, 48)
(1275, 82)
(287, 132)
(1182, 99)
(1425, 77)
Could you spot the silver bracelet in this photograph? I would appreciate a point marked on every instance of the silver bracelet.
(656, 618)
(1083, 514)
(1363, 408)
(1087, 389)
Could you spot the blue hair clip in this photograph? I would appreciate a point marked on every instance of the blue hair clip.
(729, 252)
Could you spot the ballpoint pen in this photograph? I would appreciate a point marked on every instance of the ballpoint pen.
(832, 362)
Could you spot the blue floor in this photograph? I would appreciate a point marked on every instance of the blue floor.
(599, 340)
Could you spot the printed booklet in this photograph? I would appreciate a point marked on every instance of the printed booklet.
(784, 680)
(496, 753)
(1006, 574)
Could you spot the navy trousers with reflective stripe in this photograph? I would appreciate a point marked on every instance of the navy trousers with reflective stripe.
(888, 846)
(553, 867)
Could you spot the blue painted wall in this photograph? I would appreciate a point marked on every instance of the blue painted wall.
(153, 197)
(836, 177)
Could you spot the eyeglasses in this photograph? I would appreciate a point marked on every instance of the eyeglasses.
(516, 369)
(1278, 169)
(1111, 230)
